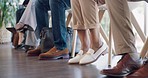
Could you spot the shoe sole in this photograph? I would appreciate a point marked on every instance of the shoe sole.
(73, 63)
(110, 75)
(65, 56)
(33, 54)
(29, 55)
(121, 75)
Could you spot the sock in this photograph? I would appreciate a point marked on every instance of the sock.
(135, 56)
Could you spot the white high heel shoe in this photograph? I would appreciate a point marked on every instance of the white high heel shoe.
(77, 58)
(92, 56)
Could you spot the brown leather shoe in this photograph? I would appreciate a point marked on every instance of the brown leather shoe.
(34, 52)
(125, 66)
(53, 53)
(15, 39)
(141, 73)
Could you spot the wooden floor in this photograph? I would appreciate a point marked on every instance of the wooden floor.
(15, 64)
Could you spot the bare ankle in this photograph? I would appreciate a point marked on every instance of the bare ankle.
(96, 47)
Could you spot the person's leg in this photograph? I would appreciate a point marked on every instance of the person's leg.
(96, 42)
(85, 41)
(19, 14)
(124, 39)
(123, 35)
(91, 22)
(58, 8)
(86, 21)
(41, 9)
(15, 34)
(59, 30)
(78, 23)
(142, 71)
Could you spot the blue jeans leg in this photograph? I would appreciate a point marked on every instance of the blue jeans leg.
(41, 8)
(58, 8)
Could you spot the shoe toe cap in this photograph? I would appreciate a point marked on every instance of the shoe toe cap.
(86, 59)
(74, 60)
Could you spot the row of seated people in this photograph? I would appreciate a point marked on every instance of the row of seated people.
(86, 22)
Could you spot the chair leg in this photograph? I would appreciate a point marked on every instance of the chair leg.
(74, 43)
(110, 48)
(137, 27)
(108, 41)
(144, 49)
(141, 34)
(74, 34)
(68, 19)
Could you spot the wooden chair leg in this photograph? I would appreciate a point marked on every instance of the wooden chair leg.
(74, 34)
(144, 49)
(137, 27)
(141, 34)
(108, 41)
(68, 19)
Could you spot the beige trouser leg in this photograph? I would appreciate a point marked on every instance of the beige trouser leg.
(123, 35)
(85, 14)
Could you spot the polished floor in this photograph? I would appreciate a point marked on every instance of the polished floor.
(15, 64)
